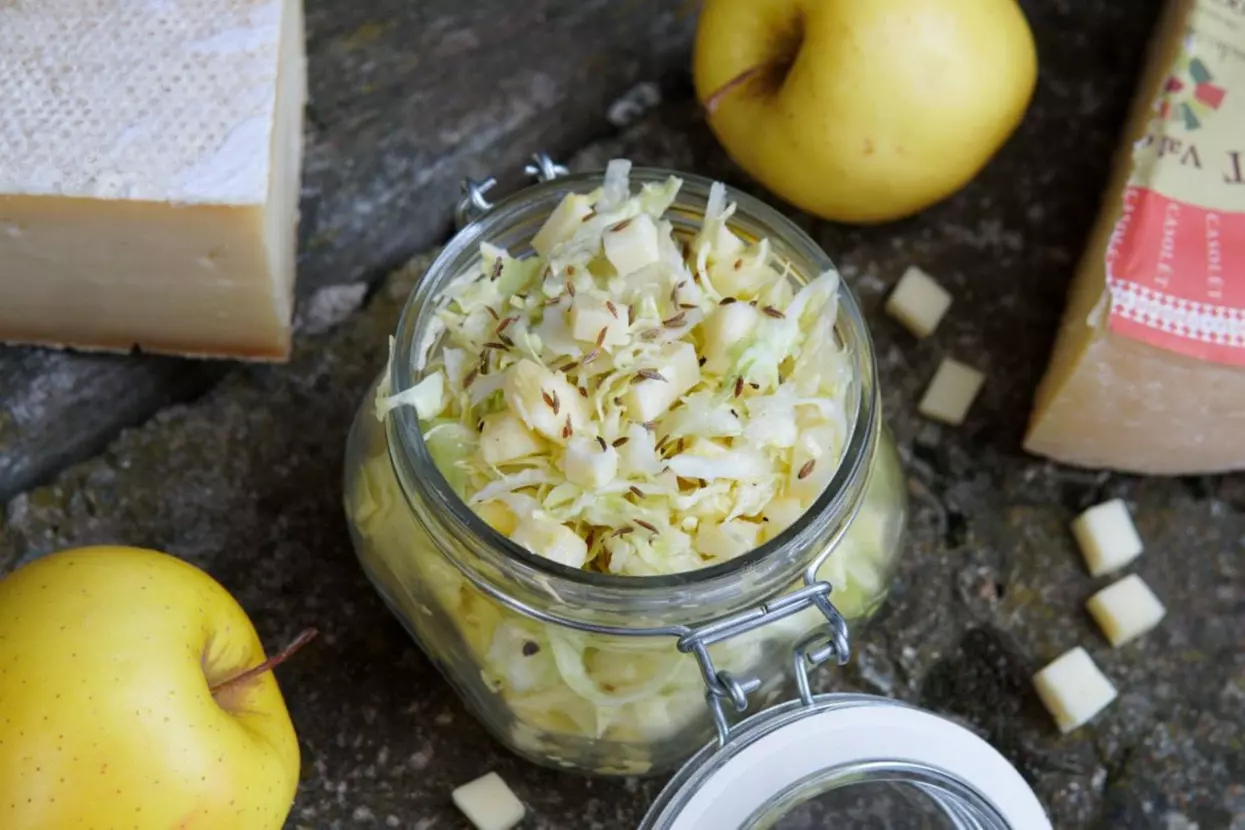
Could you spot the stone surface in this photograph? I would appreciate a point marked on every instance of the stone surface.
(245, 481)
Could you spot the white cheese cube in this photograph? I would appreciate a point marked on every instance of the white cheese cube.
(726, 326)
(727, 540)
(552, 540)
(951, 392)
(544, 400)
(679, 368)
(587, 465)
(1126, 610)
(1073, 690)
(918, 302)
(561, 225)
(632, 244)
(1107, 537)
(591, 314)
(505, 438)
(488, 803)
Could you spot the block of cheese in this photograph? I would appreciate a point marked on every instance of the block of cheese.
(149, 174)
(1126, 610)
(1148, 371)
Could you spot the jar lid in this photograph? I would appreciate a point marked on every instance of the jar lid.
(846, 754)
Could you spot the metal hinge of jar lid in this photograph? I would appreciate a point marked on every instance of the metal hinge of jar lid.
(473, 204)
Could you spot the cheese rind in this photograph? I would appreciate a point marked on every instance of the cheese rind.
(136, 212)
(1107, 537)
(1073, 689)
(1125, 610)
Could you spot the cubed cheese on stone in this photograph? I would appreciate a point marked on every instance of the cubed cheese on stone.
(951, 392)
(505, 438)
(1126, 610)
(591, 314)
(726, 326)
(550, 539)
(1073, 690)
(561, 225)
(585, 463)
(149, 174)
(488, 803)
(544, 400)
(918, 302)
(632, 244)
(679, 368)
(1107, 537)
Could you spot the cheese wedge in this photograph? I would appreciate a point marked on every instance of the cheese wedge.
(1148, 371)
(149, 174)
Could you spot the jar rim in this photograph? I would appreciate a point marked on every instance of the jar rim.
(407, 446)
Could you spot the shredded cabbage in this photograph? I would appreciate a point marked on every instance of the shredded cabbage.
(679, 457)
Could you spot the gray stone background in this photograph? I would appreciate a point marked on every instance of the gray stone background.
(237, 468)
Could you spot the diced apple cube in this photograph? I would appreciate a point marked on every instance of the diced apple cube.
(561, 225)
(951, 392)
(585, 463)
(1126, 610)
(1073, 689)
(918, 302)
(553, 540)
(632, 244)
(679, 369)
(1107, 537)
(488, 803)
(590, 315)
(505, 438)
(725, 327)
(727, 540)
(544, 400)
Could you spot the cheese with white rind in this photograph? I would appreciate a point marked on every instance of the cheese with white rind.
(149, 174)
(918, 302)
(951, 392)
(1073, 689)
(1126, 609)
(488, 803)
(1107, 537)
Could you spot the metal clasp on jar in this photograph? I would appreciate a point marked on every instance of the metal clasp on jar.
(473, 204)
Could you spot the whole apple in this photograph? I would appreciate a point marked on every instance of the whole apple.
(134, 693)
(863, 110)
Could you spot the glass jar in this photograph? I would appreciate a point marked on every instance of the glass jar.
(597, 672)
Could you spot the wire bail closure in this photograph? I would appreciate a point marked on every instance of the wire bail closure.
(473, 204)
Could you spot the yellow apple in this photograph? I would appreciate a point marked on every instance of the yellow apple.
(863, 110)
(126, 700)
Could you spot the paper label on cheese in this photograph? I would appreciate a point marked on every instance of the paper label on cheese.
(1176, 262)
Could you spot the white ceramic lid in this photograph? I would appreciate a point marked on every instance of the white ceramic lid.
(724, 788)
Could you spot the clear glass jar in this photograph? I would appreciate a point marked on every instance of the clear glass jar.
(596, 672)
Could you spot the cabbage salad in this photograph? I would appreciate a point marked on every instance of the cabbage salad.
(634, 401)
(629, 402)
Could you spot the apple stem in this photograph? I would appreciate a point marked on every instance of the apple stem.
(712, 102)
(304, 637)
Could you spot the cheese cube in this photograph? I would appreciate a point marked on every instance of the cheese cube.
(918, 302)
(1073, 690)
(150, 175)
(505, 438)
(1126, 610)
(632, 244)
(587, 464)
(590, 315)
(1107, 537)
(488, 803)
(726, 326)
(646, 399)
(550, 539)
(951, 392)
(544, 400)
(562, 223)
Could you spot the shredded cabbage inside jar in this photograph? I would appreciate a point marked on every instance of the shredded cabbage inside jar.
(630, 402)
